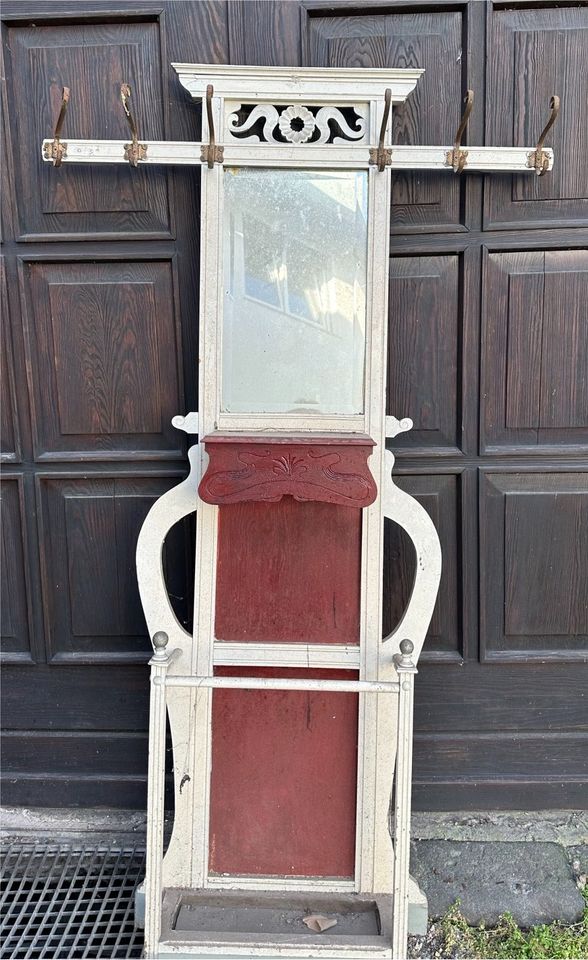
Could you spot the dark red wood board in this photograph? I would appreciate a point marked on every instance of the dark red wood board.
(283, 785)
(288, 572)
(331, 468)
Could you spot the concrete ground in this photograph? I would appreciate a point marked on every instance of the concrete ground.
(530, 864)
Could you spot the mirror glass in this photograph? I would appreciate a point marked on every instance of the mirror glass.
(294, 272)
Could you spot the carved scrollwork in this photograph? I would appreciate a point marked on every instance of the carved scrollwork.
(266, 123)
(329, 471)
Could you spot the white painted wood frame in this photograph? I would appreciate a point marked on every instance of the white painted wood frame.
(188, 153)
(182, 679)
(189, 675)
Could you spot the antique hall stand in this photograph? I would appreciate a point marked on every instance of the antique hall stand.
(288, 711)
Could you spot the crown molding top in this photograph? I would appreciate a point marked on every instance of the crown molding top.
(310, 84)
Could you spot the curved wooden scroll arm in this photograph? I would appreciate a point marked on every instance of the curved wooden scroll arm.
(173, 506)
(409, 514)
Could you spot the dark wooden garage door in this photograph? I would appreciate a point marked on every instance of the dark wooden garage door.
(488, 354)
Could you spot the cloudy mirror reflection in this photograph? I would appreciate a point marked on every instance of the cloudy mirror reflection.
(294, 273)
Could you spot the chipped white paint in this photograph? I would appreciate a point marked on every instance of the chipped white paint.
(187, 153)
(332, 85)
(408, 512)
(189, 676)
(325, 656)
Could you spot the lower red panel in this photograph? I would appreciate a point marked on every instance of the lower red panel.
(288, 571)
(284, 773)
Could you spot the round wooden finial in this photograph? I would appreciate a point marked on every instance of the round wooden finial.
(160, 640)
(406, 647)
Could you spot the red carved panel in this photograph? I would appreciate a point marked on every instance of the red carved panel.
(284, 774)
(328, 469)
(288, 572)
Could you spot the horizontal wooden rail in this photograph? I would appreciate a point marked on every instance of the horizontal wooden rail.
(403, 157)
(282, 683)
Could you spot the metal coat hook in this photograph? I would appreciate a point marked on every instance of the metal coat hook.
(210, 153)
(538, 158)
(57, 150)
(457, 158)
(134, 151)
(381, 155)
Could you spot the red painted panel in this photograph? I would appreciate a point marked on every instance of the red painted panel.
(333, 469)
(288, 572)
(284, 773)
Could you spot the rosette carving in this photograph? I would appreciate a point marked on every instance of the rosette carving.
(266, 123)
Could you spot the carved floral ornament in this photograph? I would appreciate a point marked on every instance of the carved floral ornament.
(266, 123)
(324, 469)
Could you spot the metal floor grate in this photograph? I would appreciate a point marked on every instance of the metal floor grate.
(68, 900)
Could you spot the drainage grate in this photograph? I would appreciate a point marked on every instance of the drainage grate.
(66, 901)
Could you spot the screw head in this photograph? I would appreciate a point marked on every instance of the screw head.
(406, 647)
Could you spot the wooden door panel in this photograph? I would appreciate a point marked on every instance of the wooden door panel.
(88, 533)
(425, 201)
(16, 639)
(93, 60)
(535, 351)
(533, 570)
(88, 698)
(104, 356)
(9, 433)
(263, 32)
(439, 495)
(424, 338)
(468, 750)
(534, 54)
(492, 698)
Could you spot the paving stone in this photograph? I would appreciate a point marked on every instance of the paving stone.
(533, 881)
(579, 855)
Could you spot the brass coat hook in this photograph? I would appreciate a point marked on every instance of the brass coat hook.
(381, 155)
(134, 151)
(457, 158)
(538, 158)
(210, 153)
(57, 150)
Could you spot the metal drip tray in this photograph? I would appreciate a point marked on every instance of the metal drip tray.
(264, 918)
(279, 918)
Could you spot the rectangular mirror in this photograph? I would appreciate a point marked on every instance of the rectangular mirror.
(294, 274)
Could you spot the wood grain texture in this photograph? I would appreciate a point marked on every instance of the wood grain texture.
(88, 534)
(532, 55)
(266, 32)
(93, 60)
(103, 348)
(490, 699)
(283, 779)
(86, 697)
(423, 201)
(9, 433)
(533, 573)
(459, 699)
(423, 350)
(16, 640)
(288, 572)
(535, 351)
(564, 356)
